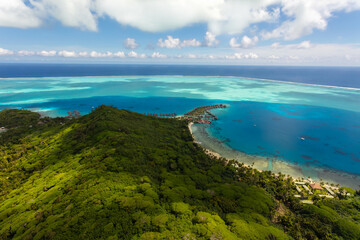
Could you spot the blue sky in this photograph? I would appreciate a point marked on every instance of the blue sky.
(261, 32)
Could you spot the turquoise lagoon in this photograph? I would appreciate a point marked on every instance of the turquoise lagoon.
(299, 129)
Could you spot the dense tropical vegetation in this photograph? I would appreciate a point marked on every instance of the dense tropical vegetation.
(114, 174)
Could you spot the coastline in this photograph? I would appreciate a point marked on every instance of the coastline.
(213, 146)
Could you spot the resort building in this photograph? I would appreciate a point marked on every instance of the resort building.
(329, 190)
(307, 202)
(307, 189)
(327, 196)
(300, 183)
(316, 186)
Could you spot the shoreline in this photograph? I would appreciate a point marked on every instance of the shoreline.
(214, 147)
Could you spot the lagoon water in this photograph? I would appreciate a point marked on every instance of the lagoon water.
(314, 129)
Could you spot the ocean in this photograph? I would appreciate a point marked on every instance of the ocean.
(330, 76)
(307, 117)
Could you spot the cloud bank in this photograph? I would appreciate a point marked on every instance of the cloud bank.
(303, 53)
(298, 17)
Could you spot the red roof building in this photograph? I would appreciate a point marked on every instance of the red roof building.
(315, 186)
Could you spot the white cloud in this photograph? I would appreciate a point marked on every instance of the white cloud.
(191, 43)
(304, 16)
(251, 56)
(285, 54)
(293, 57)
(246, 42)
(299, 17)
(158, 55)
(275, 45)
(130, 43)
(235, 56)
(133, 54)
(119, 54)
(316, 54)
(210, 40)
(25, 53)
(192, 56)
(274, 57)
(95, 54)
(65, 53)
(233, 43)
(249, 42)
(151, 15)
(70, 13)
(47, 53)
(159, 15)
(5, 52)
(304, 45)
(170, 42)
(83, 54)
(15, 13)
(235, 16)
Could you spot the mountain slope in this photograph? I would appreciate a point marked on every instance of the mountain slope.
(114, 174)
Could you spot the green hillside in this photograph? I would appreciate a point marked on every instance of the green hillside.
(114, 174)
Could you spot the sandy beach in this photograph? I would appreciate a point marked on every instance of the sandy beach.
(216, 148)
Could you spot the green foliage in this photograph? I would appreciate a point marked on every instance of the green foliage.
(114, 174)
(11, 118)
(349, 190)
(246, 229)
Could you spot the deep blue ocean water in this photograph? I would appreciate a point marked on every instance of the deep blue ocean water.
(309, 126)
(332, 76)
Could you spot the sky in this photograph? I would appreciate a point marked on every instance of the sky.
(244, 32)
